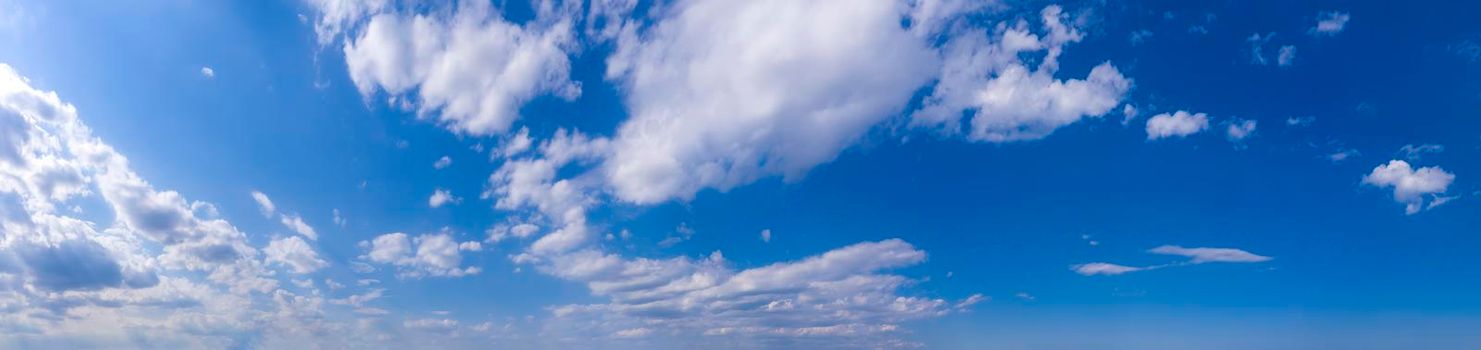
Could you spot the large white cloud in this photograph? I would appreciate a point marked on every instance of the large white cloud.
(1412, 187)
(722, 93)
(468, 67)
(985, 77)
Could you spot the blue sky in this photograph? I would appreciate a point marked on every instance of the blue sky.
(766, 174)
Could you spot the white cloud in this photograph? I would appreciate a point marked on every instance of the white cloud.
(1178, 124)
(339, 220)
(1207, 255)
(435, 255)
(1342, 155)
(442, 163)
(295, 223)
(1240, 129)
(208, 72)
(1101, 268)
(1286, 56)
(1330, 23)
(1411, 186)
(162, 263)
(1300, 121)
(441, 197)
(766, 235)
(713, 106)
(840, 295)
(467, 66)
(1128, 113)
(1195, 256)
(294, 253)
(967, 303)
(984, 75)
(264, 204)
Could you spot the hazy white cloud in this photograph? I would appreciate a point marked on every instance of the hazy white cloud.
(1257, 47)
(1207, 255)
(208, 72)
(295, 223)
(1300, 121)
(1240, 129)
(264, 204)
(1177, 124)
(442, 163)
(294, 253)
(1286, 56)
(1330, 23)
(1414, 152)
(1412, 187)
(441, 197)
(1100, 268)
(766, 235)
(840, 295)
(1195, 256)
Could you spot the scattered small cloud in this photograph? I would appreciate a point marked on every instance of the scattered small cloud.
(1287, 56)
(264, 204)
(442, 163)
(1330, 23)
(1140, 36)
(442, 197)
(1257, 47)
(766, 235)
(1414, 152)
(1303, 121)
(208, 72)
(1177, 124)
(1238, 130)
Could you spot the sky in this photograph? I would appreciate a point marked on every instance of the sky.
(623, 174)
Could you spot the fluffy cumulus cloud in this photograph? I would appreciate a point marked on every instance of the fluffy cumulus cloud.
(437, 255)
(713, 104)
(1177, 124)
(442, 197)
(984, 76)
(1418, 189)
(467, 67)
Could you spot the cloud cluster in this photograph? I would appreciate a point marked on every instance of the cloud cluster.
(842, 295)
(167, 272)
(437, 255)
(1418, 189)
(985, 77)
